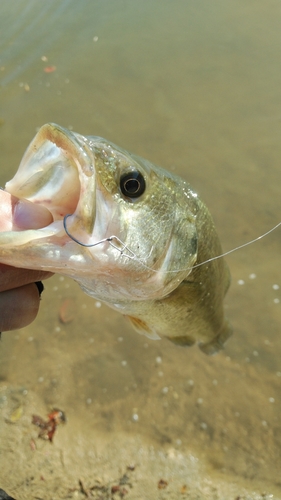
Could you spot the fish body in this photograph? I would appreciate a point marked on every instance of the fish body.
(130, 233)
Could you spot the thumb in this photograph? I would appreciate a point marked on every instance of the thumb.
(27, 215)
(22, 214)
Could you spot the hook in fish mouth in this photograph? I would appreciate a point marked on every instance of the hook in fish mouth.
(121, 248)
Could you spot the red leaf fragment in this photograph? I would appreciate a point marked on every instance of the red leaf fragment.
(50, 69)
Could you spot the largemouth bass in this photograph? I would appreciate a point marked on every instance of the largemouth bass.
(130, 233)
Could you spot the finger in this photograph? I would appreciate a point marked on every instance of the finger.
(12, 277)
(18, 307)
(22, 214)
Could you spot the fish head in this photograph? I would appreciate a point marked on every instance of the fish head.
(123, 228)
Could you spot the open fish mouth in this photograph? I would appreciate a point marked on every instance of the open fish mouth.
(57, 171)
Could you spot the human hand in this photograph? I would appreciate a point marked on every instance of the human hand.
(20, 289)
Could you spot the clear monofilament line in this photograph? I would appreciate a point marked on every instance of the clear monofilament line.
(133, 256)
(239, 247)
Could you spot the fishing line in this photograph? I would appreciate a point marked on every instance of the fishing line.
(240, 246)
(133, 256)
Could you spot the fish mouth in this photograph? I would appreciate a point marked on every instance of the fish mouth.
(57, 171)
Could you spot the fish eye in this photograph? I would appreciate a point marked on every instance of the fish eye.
(132, 184)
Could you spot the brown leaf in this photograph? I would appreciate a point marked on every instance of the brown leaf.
(162, 484)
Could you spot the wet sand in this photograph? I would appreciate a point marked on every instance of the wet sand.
(174, 414)
(195, 89)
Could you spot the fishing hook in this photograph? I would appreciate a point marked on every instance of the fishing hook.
(110, 240)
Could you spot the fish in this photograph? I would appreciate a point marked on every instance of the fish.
(130, 233)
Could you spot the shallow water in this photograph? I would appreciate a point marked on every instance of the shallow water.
(195, 88)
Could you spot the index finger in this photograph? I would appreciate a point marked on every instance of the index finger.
(12, 277)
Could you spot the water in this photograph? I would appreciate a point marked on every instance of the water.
(195, 88)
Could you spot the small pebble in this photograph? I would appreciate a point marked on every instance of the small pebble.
(271, 400)
(252, 276)
(241, 282)
(124, 363)
(275, 287)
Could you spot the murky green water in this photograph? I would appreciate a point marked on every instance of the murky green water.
(193, 87)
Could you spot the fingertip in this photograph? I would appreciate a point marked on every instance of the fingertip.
(18, 307)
